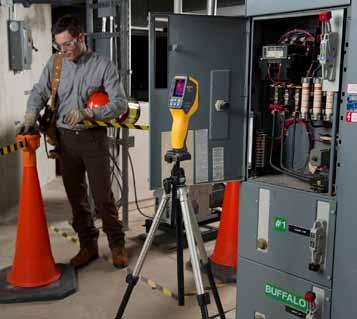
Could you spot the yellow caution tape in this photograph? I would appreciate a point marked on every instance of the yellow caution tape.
(155, 286)
(65, 235)
(90, 123)
(167, 292)
(5, 150)
(151, 283)
(207, 289)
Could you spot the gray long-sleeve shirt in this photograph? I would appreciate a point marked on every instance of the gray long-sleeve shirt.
(92, 72)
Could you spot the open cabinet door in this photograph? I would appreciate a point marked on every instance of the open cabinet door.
(213, 50)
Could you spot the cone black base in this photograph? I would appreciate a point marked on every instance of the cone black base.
(223, 273)
(65, 286)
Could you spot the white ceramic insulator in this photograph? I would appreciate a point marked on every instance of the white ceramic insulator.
(316, 106)
(329, 105)
(305, 97)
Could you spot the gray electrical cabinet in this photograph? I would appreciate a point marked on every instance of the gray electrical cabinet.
(283, 218)
(255, 7)
(216, 57)
(268, 293)
(20, 45)
(288, 73)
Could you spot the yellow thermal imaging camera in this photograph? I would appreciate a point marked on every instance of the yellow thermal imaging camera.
(183, 102)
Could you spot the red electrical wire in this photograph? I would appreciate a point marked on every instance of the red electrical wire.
(309, 70)
(297, 31)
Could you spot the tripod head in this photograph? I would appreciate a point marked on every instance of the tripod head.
(177, 156)
(183, 103)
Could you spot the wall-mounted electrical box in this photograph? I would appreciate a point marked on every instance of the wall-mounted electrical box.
(20, 45)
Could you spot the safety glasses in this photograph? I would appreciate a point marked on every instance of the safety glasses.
(65, 46)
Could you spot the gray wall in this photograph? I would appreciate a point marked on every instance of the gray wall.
(13, 99)
(229, 11)
(140, 157)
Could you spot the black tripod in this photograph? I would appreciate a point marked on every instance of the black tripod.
(175, 188)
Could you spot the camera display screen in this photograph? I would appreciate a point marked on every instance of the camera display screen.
(179, 88)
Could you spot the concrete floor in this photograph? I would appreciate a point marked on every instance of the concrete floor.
(100, 285)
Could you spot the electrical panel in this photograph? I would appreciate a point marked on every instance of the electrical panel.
(255, 7)
(288, 225)
(20, 45)
(295, 83)
(216, 137)
(267, 293)
(288, 203)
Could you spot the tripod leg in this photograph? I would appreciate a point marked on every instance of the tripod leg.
(133, 278)
(206, 263)
(203, 298)
(176, 209)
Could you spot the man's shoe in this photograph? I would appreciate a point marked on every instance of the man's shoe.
(120, 257)
(84, 257)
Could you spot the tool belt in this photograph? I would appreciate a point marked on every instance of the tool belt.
(47, 121)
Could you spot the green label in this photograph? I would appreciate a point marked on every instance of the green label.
(286, 297)
(280, 224)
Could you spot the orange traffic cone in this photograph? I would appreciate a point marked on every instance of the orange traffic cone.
(224, 257)
(33, 264)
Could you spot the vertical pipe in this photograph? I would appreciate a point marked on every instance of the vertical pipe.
(89, 23)
(111, 41)
(211, 7)
(129, 47)
(12, 12)
(124, 70)
(177, 6)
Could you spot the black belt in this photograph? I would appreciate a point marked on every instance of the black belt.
(67, 131)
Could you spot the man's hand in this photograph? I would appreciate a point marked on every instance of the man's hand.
(76, 116)
(28, 125)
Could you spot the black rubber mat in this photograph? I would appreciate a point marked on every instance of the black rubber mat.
(223, 273)
(65, 286)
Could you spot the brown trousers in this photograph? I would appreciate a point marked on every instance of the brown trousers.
(88, 151)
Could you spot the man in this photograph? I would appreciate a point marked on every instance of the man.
(83, 150)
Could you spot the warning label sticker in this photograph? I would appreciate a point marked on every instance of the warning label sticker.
(351, 103)
(352, 88)
(286, 297)
(218, 163)
(201, 148)
(351, 117)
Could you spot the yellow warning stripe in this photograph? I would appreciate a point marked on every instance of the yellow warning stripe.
(151, 283)
(5, 150)
(65, 235)
(76, 241)
(90, 123)
(207, 289)
(155, 286)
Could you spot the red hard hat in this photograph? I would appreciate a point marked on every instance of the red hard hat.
(97, 99)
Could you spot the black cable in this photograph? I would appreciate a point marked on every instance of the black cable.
(135, 194)
(116, 165)
(113, 159)
(118, 202)
(113, 175)
(294, 171)
(303, 178)
(218, 315)
(294, 142)
(311, 122)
